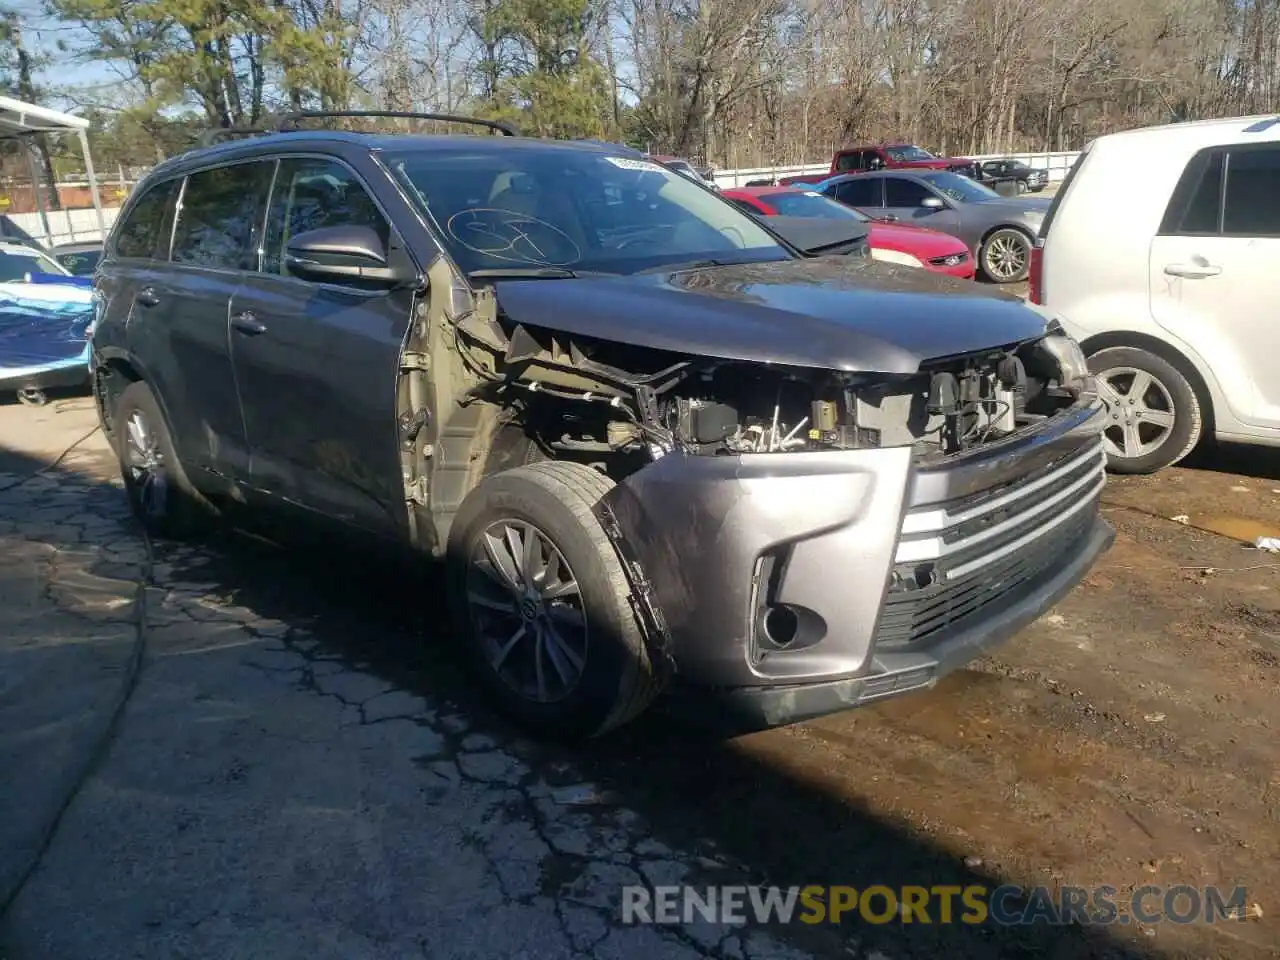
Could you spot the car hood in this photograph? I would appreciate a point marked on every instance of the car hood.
(937, 163)
(918, 241)
(838, 313)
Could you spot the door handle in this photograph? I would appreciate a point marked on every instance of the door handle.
(1192, 271)
(889, 218)
(248, 324)
(147, 297)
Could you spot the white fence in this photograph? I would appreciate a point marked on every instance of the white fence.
(66, 226)
(1056, 163)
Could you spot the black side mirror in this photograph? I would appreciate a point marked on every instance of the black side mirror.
(346, 253)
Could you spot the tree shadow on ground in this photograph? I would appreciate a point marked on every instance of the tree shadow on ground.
(688, 781)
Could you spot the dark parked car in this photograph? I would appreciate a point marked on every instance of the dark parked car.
(645, 435)
(1001, 230)
(1008, 177)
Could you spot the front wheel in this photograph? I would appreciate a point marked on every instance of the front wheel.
(539, 594)
(1006, 256)
(1153, 413)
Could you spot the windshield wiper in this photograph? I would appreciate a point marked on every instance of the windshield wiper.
(522, 273)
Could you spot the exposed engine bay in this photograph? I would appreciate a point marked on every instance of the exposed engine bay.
(573, 395)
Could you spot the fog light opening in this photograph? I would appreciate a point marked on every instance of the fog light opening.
(781, 625)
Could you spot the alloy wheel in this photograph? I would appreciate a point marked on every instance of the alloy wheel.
(1140, 412)
(1006, 255)
(527, 611)
(144, 462)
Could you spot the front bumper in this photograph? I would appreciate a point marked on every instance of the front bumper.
(798, 584)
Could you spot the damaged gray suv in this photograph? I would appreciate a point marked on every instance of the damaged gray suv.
(652, 439)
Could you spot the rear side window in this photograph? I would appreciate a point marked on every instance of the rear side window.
(860, 192)
(311, 194)
(1196, 202)
(220, 216)
(1227, 191)
(141, 232)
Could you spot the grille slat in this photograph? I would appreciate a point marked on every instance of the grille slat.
(956, 558)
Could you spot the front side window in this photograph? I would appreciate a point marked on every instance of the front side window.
(960, 188)
(900, 192)
(853, 160)
(219, 217)
(539, 206)
(140, 233)
(311, 194)
(809, 204)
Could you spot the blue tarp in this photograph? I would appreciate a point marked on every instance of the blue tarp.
(44, 326)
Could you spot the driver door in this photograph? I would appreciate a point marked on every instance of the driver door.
(316, 362)
(904, 203)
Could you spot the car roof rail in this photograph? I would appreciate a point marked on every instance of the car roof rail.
(290, 120)
(210, 137)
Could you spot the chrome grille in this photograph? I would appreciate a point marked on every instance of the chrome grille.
(955, 558)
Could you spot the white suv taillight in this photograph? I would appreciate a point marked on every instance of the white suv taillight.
(1035, 274)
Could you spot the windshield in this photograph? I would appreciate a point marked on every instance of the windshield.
(907, 154)
(539, 206)
(960, 188)
(809, 204)
(15, 264)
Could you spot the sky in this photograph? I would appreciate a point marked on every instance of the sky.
(95, 81)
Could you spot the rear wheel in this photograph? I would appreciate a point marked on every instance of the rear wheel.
(1006, 255)
(160, 494)
(1153, 414)
(539, 593)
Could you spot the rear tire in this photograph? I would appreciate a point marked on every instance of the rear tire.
(538, 592)
(1005, 256)
(160, 495)
(1153, 414)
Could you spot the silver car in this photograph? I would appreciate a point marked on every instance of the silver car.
(999, 230)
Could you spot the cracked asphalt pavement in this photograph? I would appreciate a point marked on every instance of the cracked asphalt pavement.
(300, 770)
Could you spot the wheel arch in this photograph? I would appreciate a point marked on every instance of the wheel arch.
(1165, 351)
(1021, 228)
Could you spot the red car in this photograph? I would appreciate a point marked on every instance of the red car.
(895, 243)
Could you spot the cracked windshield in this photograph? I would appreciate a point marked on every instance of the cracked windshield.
(533, 208)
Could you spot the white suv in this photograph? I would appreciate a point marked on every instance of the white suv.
(1161, 255)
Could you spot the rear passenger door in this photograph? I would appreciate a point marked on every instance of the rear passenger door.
(1214, 278)
(865, 193)
(180, 318)
(317, 362)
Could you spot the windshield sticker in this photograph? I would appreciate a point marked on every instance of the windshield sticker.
(629, 163)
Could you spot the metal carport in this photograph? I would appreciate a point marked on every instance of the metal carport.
(19, 119)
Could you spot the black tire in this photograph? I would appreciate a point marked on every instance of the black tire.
(166, 504)
(995, 245)
(1112, 367)
(616, 680)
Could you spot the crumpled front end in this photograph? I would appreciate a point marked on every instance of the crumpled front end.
(797, 584)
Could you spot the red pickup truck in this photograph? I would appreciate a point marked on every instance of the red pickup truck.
(885, 156)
